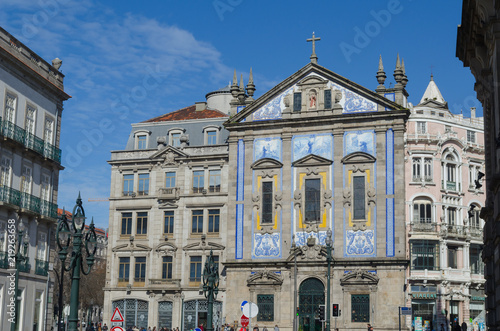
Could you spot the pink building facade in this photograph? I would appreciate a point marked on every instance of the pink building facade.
(445, 191)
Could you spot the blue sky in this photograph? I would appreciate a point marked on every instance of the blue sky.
(128, 61)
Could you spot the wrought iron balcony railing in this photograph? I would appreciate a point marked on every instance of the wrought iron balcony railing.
(41, 267)
(27, 201)
(14, 132)
(25, 266)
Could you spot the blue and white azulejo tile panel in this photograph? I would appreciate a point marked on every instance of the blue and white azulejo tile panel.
(301, 237)
(359, 141)
(320, 145)
(360, 243)
(352, 102)
(273, 109)
(267, 245)
(267, 148)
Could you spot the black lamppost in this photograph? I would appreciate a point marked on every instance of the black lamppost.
(21, 259)
(64, 235)
(60, 321)
(210, 287)
(328, 241)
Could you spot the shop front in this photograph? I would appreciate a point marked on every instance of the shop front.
(424, 308)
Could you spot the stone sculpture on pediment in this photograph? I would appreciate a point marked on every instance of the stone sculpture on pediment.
(265, 277)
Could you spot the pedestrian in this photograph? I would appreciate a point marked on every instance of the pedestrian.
(464, 326)
(105, 327)
(276, 328)
(256, 328)
(264, 328)
(368, 326)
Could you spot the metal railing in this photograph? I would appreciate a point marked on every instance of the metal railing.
(29, 140)
(41, 267)
(4, 262)
(25, 266)
(27, 201)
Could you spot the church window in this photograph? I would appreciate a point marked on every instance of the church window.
(359, 197)
(422, 211)
(297, 101)
(140, 269)
(197, 221)
(128, 184)
(424, 255)
(328, 99)
(124, 269)
(214, 180)
(213, 220)
(126, 224)
(166, 267)
(143, 184)
(198, 181)
(267, 202)
(142, 223)
(265, 302)
(195, 269)
(360, 308)
(168, 222)
(421, 127)
(312, 200)
(170, 179)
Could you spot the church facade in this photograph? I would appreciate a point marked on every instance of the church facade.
(269, 186)
(318, 160)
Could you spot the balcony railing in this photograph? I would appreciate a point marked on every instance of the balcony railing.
(451, 230)
(423, 227)
(41, 267)
(27, 201)
(25, 266)
(14, 132)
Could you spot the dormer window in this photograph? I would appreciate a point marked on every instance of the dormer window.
(141, 139)
(175, 140)
(211, 134)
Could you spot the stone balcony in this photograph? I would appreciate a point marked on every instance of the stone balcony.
(168, 193)
(446, 230)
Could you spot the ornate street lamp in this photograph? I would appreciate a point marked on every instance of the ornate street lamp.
(210, 287)
(21, 259)
(64, 235)
(329, 261)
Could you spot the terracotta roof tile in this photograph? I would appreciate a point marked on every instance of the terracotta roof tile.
(188, 113)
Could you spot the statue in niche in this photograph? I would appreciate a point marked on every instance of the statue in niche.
(312, 99)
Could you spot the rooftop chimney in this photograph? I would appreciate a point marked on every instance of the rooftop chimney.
(472, 112)
(201, 105)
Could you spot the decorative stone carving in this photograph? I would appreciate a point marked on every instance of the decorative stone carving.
(265, 278)
(360, 277)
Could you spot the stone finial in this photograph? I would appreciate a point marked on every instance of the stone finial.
(56, 63)
(234, 86)
(241, 91)
(381, 73)
(398, 72)
(250, 86)
(404, 80)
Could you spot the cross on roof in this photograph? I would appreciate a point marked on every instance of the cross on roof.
(314, 58)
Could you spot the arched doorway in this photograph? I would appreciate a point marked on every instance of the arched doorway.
(311, 295)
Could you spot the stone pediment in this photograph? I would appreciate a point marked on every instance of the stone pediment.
(131, 247)
(312, 160)
(359, 277)
(166, 204)
(312, 80)
(358, 157)
(203, 245)
(165, 247)
(266, 163)
(434, 104)
(168, 153)
(264, 278)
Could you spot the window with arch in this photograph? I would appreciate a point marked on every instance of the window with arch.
(141, 139)
(135, 312)
(211, 134)
(174, 137)
(451, 177)
(422, 210)
(165, 314)
(474, 219)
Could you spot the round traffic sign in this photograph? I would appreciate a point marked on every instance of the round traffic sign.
(117, 328)
(250, 309)
(244, 321)
(242, 304)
